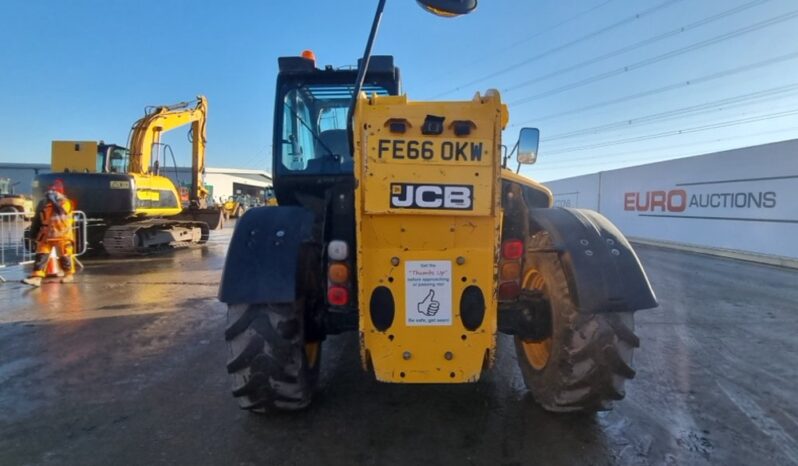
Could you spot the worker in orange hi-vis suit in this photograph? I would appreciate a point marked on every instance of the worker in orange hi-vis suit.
(52, 228)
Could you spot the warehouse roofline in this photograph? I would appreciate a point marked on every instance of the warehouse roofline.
(238, 171)
(38, 166)
(229, 171)
(666, 162)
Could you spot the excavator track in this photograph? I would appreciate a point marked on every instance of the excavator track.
(154, 235)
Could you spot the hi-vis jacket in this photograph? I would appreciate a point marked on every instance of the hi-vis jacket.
(53, 219)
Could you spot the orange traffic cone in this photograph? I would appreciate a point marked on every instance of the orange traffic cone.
(53, 268)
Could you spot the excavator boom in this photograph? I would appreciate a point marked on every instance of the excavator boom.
(146, 133)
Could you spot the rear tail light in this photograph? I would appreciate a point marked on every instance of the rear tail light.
(510, 268)
(512, 249)
(509, 290)
(337, 295)
(510, 271)
(338, 273)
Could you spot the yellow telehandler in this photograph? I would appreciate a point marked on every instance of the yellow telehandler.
(404, 224)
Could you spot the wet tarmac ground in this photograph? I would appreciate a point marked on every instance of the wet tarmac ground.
(126, 366)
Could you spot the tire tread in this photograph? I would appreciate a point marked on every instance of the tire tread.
(268, 363)
(591, 357)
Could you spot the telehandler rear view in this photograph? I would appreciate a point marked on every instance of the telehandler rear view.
(418, 237)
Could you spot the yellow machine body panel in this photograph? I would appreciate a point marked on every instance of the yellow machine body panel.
(74, 156)
(513, 177)
(428, 228)
(156, 196)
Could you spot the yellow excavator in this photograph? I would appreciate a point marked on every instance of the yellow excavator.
(131, 207)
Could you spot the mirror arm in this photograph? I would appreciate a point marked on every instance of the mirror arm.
(361, 71)
(510, 154)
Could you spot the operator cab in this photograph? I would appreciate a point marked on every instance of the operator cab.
(112, 158)
(5, 186)
(7, 189)
(311, 151)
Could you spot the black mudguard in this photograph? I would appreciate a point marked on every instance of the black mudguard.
(603, 271)
(261, 263)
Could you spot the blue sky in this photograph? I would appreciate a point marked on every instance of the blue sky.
(610, 83)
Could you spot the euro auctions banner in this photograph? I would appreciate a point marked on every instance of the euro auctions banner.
(744, 199)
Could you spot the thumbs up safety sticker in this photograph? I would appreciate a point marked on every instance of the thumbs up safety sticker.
(428, 293)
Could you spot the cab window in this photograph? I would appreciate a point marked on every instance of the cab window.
(314, 138)
(118, 160)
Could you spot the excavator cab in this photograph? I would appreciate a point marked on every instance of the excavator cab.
(89, 157)
(112, 158)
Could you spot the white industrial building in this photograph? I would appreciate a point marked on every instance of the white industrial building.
(224, 182)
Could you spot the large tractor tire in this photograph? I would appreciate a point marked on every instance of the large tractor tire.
(587, 359)
(271, 364)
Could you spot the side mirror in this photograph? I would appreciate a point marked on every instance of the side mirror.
(448, 8)
(528, 141)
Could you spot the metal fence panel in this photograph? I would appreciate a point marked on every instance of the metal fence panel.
(13, 248)
(16, 249)
(80, 225)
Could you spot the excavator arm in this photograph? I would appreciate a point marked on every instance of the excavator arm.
(147, 131)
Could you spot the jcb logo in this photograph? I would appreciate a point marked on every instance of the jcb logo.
(432, 196)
